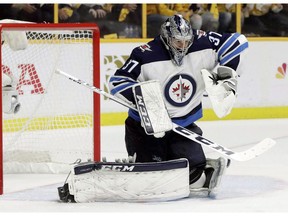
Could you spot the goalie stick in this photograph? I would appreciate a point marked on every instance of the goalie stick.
(246, 155)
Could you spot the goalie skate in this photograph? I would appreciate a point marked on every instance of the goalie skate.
(214, 171)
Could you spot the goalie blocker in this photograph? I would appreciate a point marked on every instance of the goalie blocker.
(151, 108)
(133, 182)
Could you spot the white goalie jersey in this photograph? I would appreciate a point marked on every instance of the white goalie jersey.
(182, 86)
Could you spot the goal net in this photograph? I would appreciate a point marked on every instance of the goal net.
(58, 122)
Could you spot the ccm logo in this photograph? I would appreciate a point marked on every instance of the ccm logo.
(202, 140)
(120, 168)
(142, 109)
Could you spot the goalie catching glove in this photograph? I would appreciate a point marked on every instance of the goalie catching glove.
(221, 89)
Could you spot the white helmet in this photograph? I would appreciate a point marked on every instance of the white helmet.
(177, 35)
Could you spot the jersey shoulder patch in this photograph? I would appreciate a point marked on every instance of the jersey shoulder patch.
(145, 47)
(153, 51)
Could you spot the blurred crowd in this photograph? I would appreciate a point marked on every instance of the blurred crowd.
(125, 20)
(265, 20)
(112, 19)
(256, 19)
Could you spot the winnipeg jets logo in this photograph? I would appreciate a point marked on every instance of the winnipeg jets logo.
(145, 47)
(180, 89)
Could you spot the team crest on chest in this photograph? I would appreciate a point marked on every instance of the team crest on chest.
(180, 90)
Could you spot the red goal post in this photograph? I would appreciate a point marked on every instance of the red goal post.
(58, 122)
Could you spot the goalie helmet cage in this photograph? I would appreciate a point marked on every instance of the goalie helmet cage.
(58, 122)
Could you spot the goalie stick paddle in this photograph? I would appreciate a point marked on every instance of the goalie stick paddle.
(246, 155)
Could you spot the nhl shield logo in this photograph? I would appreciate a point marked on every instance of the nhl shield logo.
(180, 90)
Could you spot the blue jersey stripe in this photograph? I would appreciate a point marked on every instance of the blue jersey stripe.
(233, 54)
(119, 79)
(121, 88)
(228, 44)
(189, 120)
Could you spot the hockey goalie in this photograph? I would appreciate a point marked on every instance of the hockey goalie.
(16, 41)
(164, 80)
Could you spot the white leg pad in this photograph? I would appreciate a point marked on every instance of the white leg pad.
(134, 182)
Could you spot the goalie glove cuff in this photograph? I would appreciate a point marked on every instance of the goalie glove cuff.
(159, 135)
(230, 85)
(224, 72)
(228, 76)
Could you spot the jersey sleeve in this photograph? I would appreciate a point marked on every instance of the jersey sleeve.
(120, 84)
(229, 47)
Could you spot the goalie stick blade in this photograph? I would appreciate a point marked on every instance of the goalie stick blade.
(254, 151)
(249, 154)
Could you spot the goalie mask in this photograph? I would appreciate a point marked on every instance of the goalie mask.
(177, 35)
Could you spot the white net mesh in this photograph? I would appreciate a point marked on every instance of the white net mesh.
(54, 126)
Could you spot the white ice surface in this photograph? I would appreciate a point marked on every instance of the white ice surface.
(258, 186)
